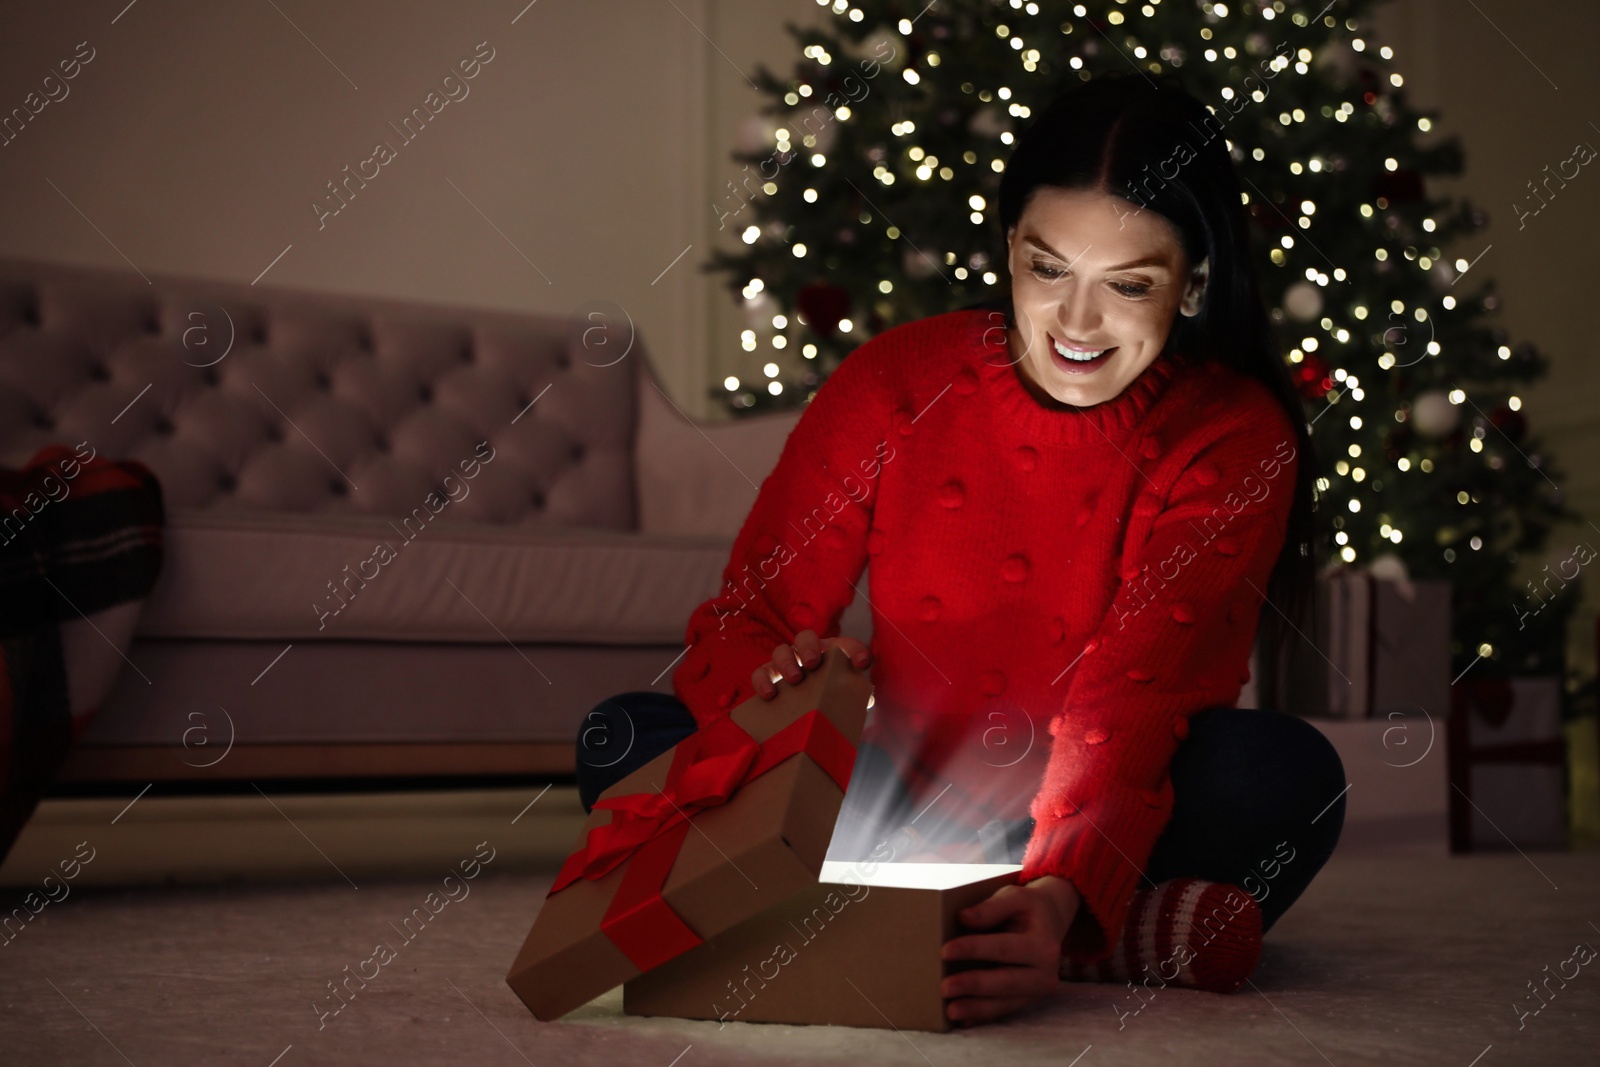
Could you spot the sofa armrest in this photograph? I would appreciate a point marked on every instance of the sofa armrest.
(696, 476)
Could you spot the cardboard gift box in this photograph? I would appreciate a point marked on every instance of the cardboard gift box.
(732, 821)
(1508, 764)
(858, 948)
(1378, 646)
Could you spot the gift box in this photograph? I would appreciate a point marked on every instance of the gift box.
(858, 948)
(1380, 644)
(731, 822)
(1508, 764)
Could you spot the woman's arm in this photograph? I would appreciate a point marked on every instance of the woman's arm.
(802, 547)
(1176, 640)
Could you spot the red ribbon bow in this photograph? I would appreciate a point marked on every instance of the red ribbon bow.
(647, 829)
(707, 767)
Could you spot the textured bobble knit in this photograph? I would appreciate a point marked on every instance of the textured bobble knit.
(1054, 590)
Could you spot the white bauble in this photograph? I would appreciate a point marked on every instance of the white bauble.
(759, 312)
(757, 134)
(988, 122)
(1432, 414)
(1339, 64)
(826, 125)
(884, 47)
(1303, 301)
(919, 265)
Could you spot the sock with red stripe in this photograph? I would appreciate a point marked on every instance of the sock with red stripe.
(1186, 932)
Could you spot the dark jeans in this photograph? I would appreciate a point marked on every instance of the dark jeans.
(1258, 795)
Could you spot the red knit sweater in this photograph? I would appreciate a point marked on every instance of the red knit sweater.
(1054, 590)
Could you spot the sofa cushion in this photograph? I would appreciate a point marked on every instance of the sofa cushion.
(288, 577)
(204, 695)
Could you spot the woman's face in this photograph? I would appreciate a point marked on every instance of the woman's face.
(1093, 273)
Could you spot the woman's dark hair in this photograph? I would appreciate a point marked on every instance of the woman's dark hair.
(1124, 134)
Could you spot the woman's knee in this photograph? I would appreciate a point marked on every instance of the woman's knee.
(622, 733)
(1261, 751)
(1316, 765)
(614, 726)
(1259, 803)
(1313, 814)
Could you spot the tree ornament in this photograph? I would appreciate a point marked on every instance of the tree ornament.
(1370, 84)
(1443, 276)
(1303, 300)
(1432, 414)
(757, 134)
(823, 304)
(759, 310)
(1311, 377)
(1514, 424)
(826, 136)
(1398, 441)
(988, 122)
(1339, 64)
(917, 264)
(1268, 216)
(884, 43)
(1402, 186)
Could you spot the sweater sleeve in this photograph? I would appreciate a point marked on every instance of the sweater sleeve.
(803, 545)
(1175, 641)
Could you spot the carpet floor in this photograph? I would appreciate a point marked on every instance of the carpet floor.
(1387, 959)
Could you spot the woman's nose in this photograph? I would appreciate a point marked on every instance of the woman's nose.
(1078, 316)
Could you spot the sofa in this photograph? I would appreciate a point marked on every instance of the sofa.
(403, 541)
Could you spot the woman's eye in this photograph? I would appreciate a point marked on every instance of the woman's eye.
(1047, 272)
(1133, 290)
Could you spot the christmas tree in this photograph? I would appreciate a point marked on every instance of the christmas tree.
(874, 206)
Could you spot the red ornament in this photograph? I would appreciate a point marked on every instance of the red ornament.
(1269, 216)
(1397, 442)
(1311, 377)
(823, 304)
(1511, 423)
(1401, 186)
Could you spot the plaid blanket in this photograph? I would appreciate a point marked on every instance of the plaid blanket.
(80, 548)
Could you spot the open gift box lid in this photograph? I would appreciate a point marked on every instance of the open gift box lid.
(735, 819)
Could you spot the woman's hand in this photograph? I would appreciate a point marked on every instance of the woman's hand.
(1034, 919)
(790, 662)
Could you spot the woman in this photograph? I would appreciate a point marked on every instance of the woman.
(1074, 503)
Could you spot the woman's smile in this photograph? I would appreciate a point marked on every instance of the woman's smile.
(1079, 359)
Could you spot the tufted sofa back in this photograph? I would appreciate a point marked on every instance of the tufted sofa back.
(246, 399)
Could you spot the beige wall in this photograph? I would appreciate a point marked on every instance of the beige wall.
(597, 140)
(579, 165)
